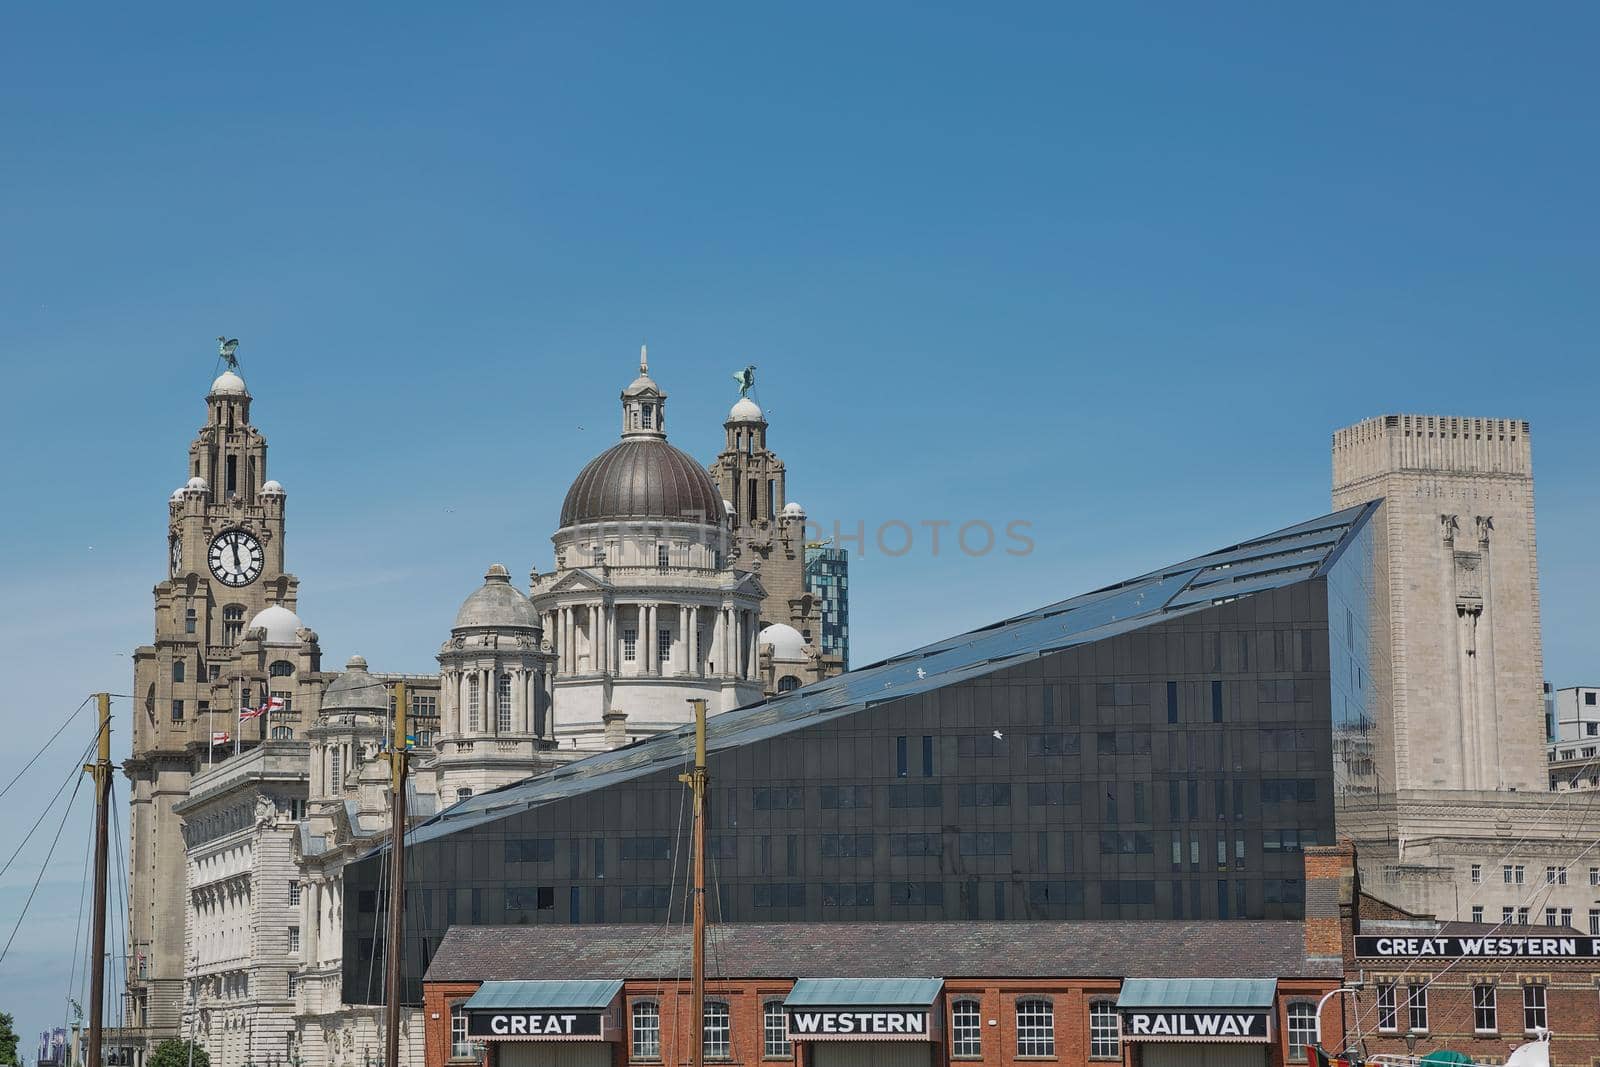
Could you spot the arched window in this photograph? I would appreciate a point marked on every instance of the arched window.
(232, 624)
(177, 670)
(1036, 1028)
(464, 793)
(282, 733)
(788, 683)
(1302, 1029)
(966, 1030)
(646, 1030)
(280, 668)
(472, 702)
(718, 1031)
(1105, 1036)
(775, 1031)
(502, 699)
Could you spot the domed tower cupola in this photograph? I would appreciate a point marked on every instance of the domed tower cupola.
(644, 405)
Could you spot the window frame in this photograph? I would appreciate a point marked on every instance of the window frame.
(1036, 1038)
(1482, 1010)
(708, 1050)
(1388, 1007)
(775, 1043)
(1535, 1008)
(1104, 1007)
(1307, 1031)
(965, 1045)
(1417, 1006)
(473, 1050)
(634, 1019)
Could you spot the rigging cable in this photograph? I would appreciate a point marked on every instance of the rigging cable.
(76, 771)
(42, 868)
(47, 744)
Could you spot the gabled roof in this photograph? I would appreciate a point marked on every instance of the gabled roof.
(1294, 554)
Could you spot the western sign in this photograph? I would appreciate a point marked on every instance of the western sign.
(1491, 947)
(532, 1024)
(835, 1023)
(1195, 1025)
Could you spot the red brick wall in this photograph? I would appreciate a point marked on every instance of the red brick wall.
(997, 1000)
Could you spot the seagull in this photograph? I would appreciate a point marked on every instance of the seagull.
(921, 673)
(998, 736)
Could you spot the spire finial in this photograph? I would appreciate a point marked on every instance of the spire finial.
(644, 360)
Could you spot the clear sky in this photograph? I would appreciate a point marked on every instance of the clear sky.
(1115, 272)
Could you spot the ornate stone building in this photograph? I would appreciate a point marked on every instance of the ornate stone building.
(644, 608)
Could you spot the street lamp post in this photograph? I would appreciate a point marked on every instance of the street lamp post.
(1352, 989)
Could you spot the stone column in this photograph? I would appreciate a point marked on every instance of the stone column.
(753, 621)
(691, 639)
(519, 700)
(651, 667)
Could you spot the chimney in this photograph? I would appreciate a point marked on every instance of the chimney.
(616, 731)
(1331, 888)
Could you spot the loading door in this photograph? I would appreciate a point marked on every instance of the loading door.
(870, 1054)
(554, 1054)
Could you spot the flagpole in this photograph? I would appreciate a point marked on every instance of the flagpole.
(238, 718)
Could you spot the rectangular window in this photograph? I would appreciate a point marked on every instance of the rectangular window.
(1507, 913)
(1172, 702)
(927, 756)
(1550, 916)
(966, 1030)
(1483, 1009)
(177, 711)
(1522, 916)
(775, 1031)
(1105, 1034)
(646, 1030)
(188, 621)
(1519, 873)
(630, 644)
(984, 795)
(1477, 874)
(1533, 1010)
(502, 696)
(1387, 1014)
(461, 1046)
(1036, 1028)
(1594, 920)
(294, 939)
(717, 1032)
(1505, 873)
(1216, 701)
(1417, 1006)
(1549, 876)
(901, 759)
(663, 557)
(1566, 916)
(294, 893)
(663, 645)
(1477, 913)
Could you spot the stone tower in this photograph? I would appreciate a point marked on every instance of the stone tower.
(1455, 562)
(768, 530)
(225, 634)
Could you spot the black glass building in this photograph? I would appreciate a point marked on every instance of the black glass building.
(1161, 748)
(828, 577)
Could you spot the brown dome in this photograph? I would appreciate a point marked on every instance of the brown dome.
(642, 478)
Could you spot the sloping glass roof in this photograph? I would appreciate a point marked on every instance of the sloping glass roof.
(572, 994)
(1294, 554)
(1172, 993)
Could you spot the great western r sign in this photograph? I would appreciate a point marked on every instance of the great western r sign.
(859, 1024)
(534, 1025)
(1490, 947)
(1195, 1025)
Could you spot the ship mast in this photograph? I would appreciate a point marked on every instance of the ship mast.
(697, 981)
(394, 954)
(101, 769)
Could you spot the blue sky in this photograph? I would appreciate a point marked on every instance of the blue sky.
(1117, 273)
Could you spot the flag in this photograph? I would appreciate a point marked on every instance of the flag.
(221, 737)
(411, 741)
(1320, 1058)
(275, 704)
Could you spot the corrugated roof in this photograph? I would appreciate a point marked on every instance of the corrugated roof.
(575, 994)
(863, 992)
(1284, 557)
(1198, 993)
(1027, 949)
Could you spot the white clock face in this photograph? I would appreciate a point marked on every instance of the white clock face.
(236, 558)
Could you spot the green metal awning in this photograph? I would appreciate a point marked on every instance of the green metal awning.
(863, 992)
(575, 994)
(1171, 993)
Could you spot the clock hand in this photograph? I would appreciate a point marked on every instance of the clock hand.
(235, 546)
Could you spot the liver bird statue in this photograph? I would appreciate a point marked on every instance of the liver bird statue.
(746, 379)
(227, 348)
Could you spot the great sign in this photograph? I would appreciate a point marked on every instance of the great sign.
(532, 1024)
(1199, 1025)
(1494, 946)
(823, 1023)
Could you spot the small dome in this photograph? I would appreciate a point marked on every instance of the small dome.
(496, 603)
(281, 624)
(788, 646)
(642, 478)
(177, 495)
(198, 484)
(229, 384)
(356, 690)
(746, 410)
(271, 488)
(792, 510)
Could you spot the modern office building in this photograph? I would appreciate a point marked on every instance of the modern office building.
(1574, 749)
(1156, 749)
(828, 576)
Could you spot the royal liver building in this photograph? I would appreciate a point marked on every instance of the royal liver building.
(256, 773)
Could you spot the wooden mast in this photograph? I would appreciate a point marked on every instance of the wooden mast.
(697, 980)
(101, 769)
(395, 952)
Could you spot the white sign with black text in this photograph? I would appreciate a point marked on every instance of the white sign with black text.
(1195, 1025)
(858, 1024)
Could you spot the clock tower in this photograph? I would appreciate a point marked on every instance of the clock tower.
(226, 637)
